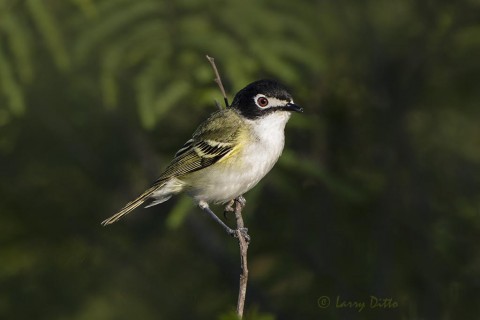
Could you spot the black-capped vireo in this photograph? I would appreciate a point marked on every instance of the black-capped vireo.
(229, 153)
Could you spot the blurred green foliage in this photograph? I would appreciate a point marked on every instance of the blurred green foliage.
(377, 192)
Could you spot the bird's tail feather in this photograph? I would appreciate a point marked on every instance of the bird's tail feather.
(130, 206)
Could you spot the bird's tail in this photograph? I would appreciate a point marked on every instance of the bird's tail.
(131, 206)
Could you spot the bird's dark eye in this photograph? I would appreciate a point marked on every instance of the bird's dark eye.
(262, 102)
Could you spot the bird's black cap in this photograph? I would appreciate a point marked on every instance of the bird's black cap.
(277, 99)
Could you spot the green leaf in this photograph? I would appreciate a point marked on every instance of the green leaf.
(50, 30)
(10, 87)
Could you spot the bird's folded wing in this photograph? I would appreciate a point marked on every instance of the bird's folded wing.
(215, 139)
(198, 156)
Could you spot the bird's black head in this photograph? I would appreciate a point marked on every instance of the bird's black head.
(263, 97)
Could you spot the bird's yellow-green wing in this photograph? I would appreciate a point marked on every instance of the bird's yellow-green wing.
(213, 140)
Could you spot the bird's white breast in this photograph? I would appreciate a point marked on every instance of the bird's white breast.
(267, 143)
(233, 177)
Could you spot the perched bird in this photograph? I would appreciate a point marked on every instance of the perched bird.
(228, 154)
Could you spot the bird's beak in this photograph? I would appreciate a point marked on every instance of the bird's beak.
(293, 107)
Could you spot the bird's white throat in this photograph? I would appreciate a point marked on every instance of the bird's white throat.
(270, 128)
(268, 139)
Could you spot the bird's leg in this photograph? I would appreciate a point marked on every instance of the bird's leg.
(204, 206)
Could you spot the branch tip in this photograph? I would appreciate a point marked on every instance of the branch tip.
(218, 80)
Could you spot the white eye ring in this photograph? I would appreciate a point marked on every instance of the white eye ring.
(261, 101)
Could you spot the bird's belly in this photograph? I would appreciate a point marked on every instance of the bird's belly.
(233, 177)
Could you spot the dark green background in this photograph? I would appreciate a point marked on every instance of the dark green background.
(377, 192)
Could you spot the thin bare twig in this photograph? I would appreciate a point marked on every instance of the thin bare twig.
(219, 106)
(218, 80)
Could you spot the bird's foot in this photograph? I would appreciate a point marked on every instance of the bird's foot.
(241, 200)
(242, 232)
(228, 209)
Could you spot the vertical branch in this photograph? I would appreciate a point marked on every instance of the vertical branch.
(243, 240)
(218, 80)
(241, 232)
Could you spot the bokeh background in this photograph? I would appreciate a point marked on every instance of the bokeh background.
(377, 192)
